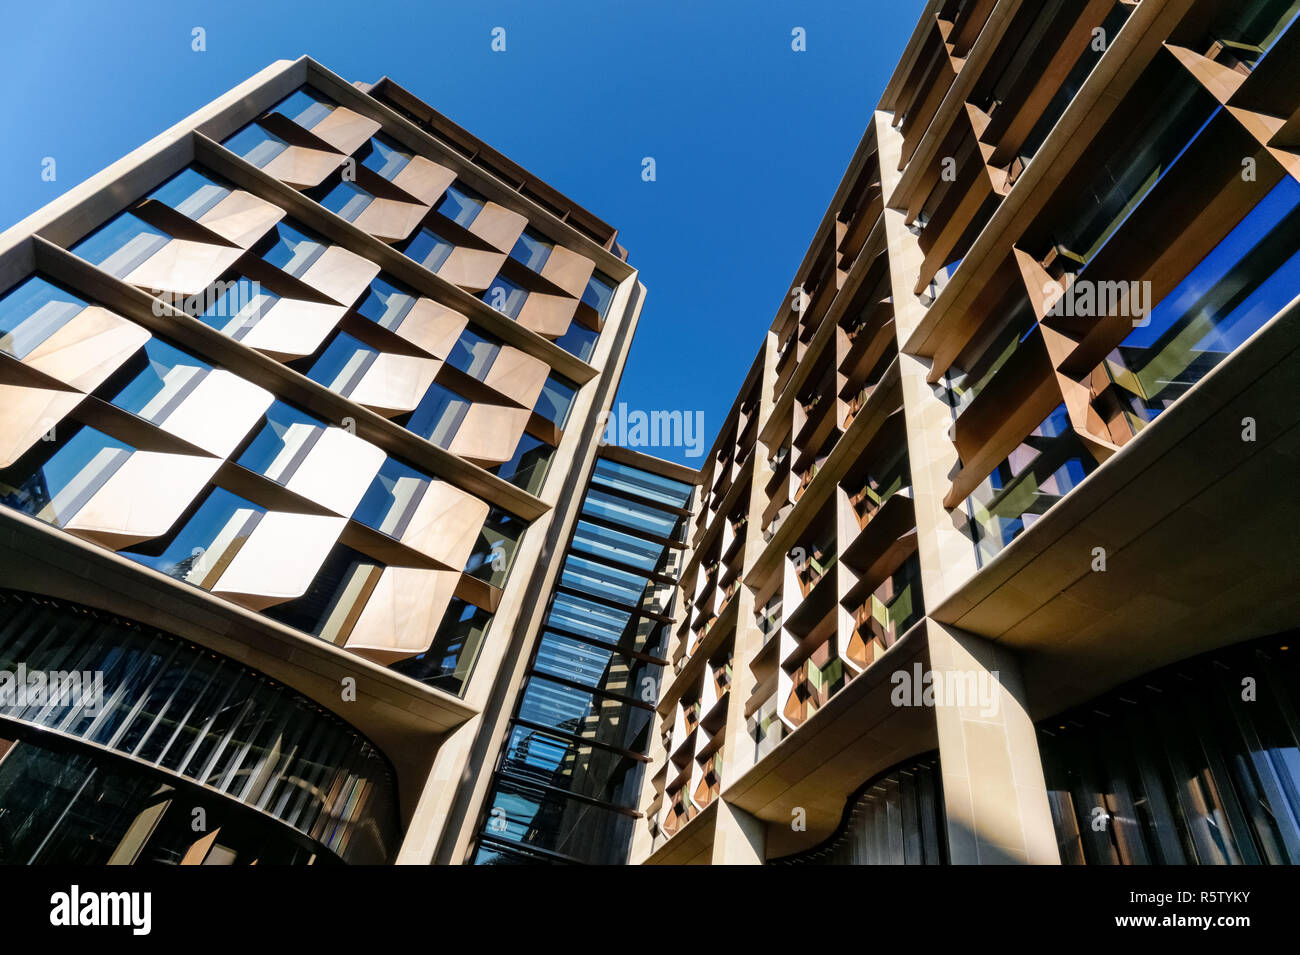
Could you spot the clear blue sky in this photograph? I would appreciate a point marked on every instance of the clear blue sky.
(749, 137)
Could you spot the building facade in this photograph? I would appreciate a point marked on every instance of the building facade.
(994, 556)
(296, 401)
(992, 560)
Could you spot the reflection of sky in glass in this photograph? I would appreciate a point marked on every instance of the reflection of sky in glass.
(256, 145)
(604, 542)
(390, 495)
(169, 372)
(190, 193)
(654, 487)
(1234, 328)
(588, 619)
(305, 106)
(385, 304)
(601, 580)
(628, 514)
(198, 546)
(385, 157)
(277, 444)
(32, 312)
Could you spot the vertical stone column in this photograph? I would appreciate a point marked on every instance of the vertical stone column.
(738, 837)
(995, 797)
(996, 801)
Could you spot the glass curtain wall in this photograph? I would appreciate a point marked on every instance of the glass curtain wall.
(568, 780)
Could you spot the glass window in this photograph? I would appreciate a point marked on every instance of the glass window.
(1236, 289)
(532, 249)
(599, 292)
(384, 156)
(528, 466)
(589, 619)
(54, 479)
(579, 340)
(237, 306)
(428, 248)
(543, 819)
(255, 144)
(121, 245)
(201, 549)
(601, 580)
(291, 250)
(448, 664)
(609, 544)
(190, 192)
(392, 498)
(33, 311)
(276, 450)
(505, 296)
(653, 487)
(585, 714)
(166, 375)
(597, 667)
(333, 598)
(531, 755)
(494, 551)
(305, 106)
(386, 303)
(343, 363)
(438, 416)
(473, 354)
(345, 199)
(624, 513)
(1044, 468)
(461, 204)
(556, 400)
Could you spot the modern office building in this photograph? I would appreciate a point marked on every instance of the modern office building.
(993, 559)
(296, 402)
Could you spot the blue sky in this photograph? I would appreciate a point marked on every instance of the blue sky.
(749, 137)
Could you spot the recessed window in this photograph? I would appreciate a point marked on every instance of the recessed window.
(428, 248)
(292, 250)
(392, 498)
(305, 106)
(255, 144)
(494, 551)
(556, 400)
(282, 443)
(238, 306)
(532, 249)
(165, 376)
(121, 245)
(33, 311)
(386, 303)
(599, 293)
(384, 156)
(461, 204)
(343, 363)
(345, 199)
(505, 296)
(579, 340)
(527, 468)
(191, 193)
(201, 549)
(473, 354)
(438, 416)
(68, 473)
